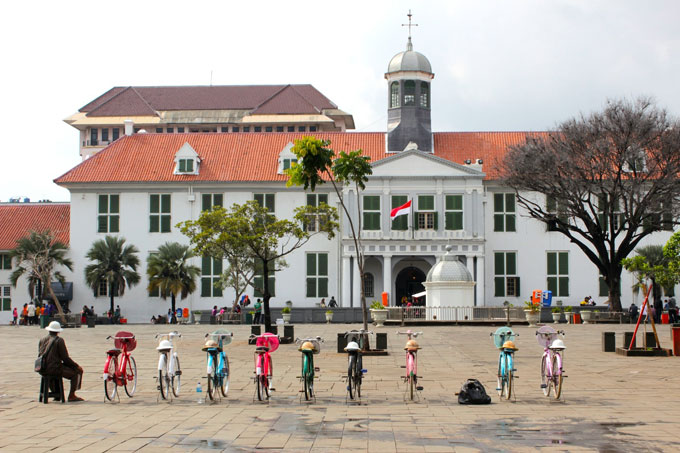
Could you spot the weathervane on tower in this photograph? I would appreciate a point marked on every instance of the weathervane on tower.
(409, 45)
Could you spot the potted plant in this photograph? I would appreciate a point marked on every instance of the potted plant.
(285, 314)
(568, 314)
(586, 316)
(197, 316)
(289, 303)
(532, 312)
(556, 314)
(378, 313)
(329, 316)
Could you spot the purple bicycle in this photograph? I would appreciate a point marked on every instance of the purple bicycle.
(551, 362)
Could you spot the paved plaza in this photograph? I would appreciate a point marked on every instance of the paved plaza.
(610, 403)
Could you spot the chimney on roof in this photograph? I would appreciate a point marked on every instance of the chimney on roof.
(129, 126)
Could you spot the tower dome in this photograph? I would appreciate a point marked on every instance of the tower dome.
(449, 269)
(409, 60)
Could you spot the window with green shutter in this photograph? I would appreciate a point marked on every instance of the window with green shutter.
(5, 298)
(558, 273)
(504, 212)
(258, 280)
(266, 200)
(5, 262)
(315, 200)
(108, 212)
(371, 212)
(401, 222)
(317, 275)
(426, 218)
(159, 213)
(211, 200)
(506, 281)
(185, 165)
(211, 271)
(454, 212)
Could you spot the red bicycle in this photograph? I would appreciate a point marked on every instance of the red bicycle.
(264, 367)
(125, 373)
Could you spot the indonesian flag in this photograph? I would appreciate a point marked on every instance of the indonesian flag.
(401, 210)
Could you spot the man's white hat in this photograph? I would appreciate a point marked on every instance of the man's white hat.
(54, 327)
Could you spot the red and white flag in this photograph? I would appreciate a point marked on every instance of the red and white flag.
(401, 210)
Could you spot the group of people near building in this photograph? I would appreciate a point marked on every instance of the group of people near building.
(30, 313)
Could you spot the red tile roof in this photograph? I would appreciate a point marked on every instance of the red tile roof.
(121, 101)
(17, 219)
(254, 157)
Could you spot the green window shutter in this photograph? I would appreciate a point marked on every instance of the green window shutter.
(564, 263)
(510, 222)
(519, 291)
(257, 284)
(552, 285)
(103, 204)
(511, 263)
(498, 224)
(552, 263)
(498, 203)
(323, 198)
(6, 304)
(371, 220)
(323, 264)
(564, 286)
(6, 262)
(499, 286)
(311, 264)
(182, 165)
(165, 203)
(323, 287)
(206, 202)
(165, 224)
(218, 199)
(415, 220)
(190, 165)
(154, 204)
(371, 203)
(454, 202)
(286, 164)
(425, 202)
(206, 265)
(448, 221)
(153, 224)
(499, 263)
(113, 224)
(269, 200)
(311, 200)
(401, 222)
(206, 287)
(509, 202)
(102, 224)
(217, 266)
(311, 287)
(272, 286)
(436, 220)
(114, 202)
(259, 197)
(217, 291)
(457, 220)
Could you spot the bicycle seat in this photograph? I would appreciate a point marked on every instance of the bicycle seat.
(262, 349)
(114, 352)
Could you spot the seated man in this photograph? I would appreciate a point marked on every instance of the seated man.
(58, 361)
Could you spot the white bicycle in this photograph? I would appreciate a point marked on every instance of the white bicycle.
(169, 372)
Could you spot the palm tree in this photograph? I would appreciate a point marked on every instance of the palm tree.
(115, 263)
(170, 273)
(36, 256)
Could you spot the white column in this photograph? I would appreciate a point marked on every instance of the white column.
(481, 302)
(470, 264)
(387, 277)
(356, 285)
(346, 289)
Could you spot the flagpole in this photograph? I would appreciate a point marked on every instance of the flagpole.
(413, 230)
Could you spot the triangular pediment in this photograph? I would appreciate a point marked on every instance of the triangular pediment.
(410, 163)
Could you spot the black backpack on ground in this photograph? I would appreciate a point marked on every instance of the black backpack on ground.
(473, 392)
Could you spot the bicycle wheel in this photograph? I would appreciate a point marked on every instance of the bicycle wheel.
(411, 376)
(224, 387)
(176, 377)
(499, 380)
(508, 378)
(163, 383)
(130, 383)
(350, 376)
(212, 385)
(546, 381)
(264, 385)
(557, 377)
(110, 387)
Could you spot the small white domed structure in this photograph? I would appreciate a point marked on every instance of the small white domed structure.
(449, 284)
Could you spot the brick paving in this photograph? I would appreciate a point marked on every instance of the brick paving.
(610, 402)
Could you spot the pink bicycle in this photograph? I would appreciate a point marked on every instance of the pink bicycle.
(125, 373)
(411, 377)
(265, 344)
(551, 362)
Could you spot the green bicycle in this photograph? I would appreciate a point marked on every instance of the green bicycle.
(308, 347)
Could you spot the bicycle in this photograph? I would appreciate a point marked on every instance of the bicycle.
(126, 373)
(308, 347)
(355, 371)
(551, 361)
(411, 377)
(169, 372)
(265, 344)
(504, 339)
(217, 362)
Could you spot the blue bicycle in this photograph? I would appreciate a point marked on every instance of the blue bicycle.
(504, 339)
(218, 362)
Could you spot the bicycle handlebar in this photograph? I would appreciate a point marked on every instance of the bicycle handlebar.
(410, 334)
(251, 337)
(360, 332)
(219, 335)
(110, 337)
(302, 340)
(169, 335)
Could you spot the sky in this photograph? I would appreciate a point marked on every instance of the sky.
(499, 65)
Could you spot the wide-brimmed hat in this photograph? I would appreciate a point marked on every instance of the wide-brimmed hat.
(54, 326)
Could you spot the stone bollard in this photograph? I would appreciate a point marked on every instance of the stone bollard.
(627, 337)
(608, 342)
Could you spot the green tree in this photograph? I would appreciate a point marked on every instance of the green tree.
(114, 263)
(250, 227)
(650, 263)
(37, 256)
(317, 164)
(605, 181)
(170, 272)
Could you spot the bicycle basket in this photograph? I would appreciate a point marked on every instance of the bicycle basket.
(545, 336)
(501, 335)
(315, 343)
(268, 339)
(225, 339)
(125, 338)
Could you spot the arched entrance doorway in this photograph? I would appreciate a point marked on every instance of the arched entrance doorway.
(409, 281)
